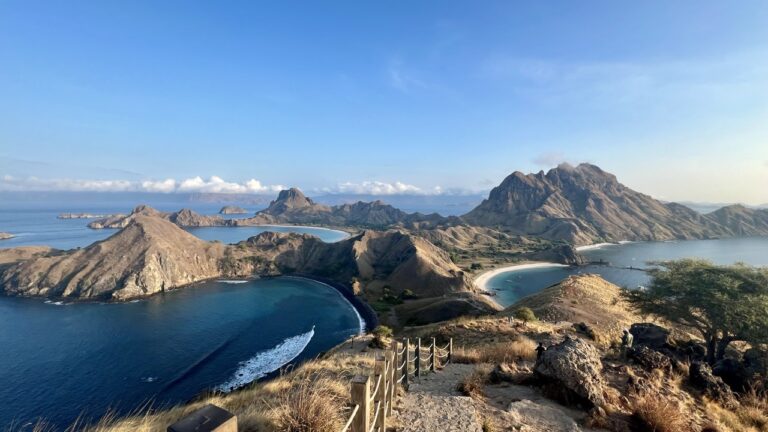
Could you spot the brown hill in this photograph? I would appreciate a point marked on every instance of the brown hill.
(742, 221)
(584, 205)
(152, 254)
(148, 256)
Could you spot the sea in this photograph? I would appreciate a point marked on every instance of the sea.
(624, 264)
(60, 361)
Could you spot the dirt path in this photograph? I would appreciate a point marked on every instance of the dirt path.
(433, 404)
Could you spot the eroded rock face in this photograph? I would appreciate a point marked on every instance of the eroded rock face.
(701, 376)
(575, 365)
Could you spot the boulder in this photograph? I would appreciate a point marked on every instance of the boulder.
(733, 373)
(649, 359)
(756, 361)
(650, 335)
(701, 376)
(573, 365)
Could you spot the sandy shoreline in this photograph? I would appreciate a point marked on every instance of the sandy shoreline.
(483, 279)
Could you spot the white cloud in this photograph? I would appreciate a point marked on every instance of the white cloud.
(549, 159)
(214, 184)
(402, 80)
(381, 188)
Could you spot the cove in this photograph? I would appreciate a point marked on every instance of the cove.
(511, 286)
(61, 360)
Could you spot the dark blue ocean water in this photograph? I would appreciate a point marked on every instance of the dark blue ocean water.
(513, 285)
(59, 361)
(37, 225)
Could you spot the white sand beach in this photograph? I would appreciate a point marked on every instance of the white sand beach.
(483, 279)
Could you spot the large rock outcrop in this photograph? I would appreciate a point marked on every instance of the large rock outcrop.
(584, 204)
(574, 365)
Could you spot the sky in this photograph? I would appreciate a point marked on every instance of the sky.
(395, 97)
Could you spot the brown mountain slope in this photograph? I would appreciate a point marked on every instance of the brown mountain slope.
(584, 205)
(152, 254)
(148, 256)
(742, 221)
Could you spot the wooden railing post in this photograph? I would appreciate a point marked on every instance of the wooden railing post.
(361, 395)
(450, 350)
(406, 370)
(418, 358)
(380, 373)
(390, 381)
(433, 353)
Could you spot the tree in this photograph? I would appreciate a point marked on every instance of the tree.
(524, 314)
(723, 303)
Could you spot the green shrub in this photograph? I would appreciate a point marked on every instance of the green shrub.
(382, 331)
(524, 314)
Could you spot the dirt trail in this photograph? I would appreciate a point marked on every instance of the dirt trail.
(433, 404)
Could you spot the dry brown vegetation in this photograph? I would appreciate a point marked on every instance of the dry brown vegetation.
(751, 416)
(311, 398)
(660, 415)
(472, 385)
(522, 348)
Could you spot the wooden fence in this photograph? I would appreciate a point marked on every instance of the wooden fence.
(397, 366)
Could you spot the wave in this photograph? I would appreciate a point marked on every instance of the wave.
(267, 361)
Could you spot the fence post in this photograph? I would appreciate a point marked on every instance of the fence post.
(450, 350)
(380, 373)
(407, 368)
(418, 358)
(361, 396)
(390, 380)
(433, 353)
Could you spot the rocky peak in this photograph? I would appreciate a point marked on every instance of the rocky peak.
(289, 199)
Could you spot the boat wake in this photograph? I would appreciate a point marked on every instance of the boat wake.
(267, 361)
(233, 281)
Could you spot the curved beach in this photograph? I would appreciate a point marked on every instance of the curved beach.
(483, 279)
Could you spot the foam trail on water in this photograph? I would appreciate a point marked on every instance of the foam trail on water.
(267, 361)
(234, 282)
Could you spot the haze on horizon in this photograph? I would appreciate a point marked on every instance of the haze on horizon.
(383, 98)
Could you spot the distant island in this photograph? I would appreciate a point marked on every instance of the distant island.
(6, 236)
(230, 209)
(82, 216)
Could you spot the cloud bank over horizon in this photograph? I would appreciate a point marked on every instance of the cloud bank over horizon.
(213, 184)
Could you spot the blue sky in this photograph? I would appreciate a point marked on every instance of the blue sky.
(389, 97)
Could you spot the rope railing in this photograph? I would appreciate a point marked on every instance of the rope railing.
(372, 408)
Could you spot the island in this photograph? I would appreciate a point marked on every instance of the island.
(230, 209)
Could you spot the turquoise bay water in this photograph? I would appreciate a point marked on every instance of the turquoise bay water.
(513, 285)
(35, 226)
(59, 361)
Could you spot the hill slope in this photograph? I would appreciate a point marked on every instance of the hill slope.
(584, 205)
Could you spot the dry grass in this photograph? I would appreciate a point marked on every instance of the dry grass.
(522, 348)
(311, 398)
(659, 415)
(750, 416)
(310, 406)
(473, 385)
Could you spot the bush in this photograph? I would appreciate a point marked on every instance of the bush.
(658, 415)
(472, 384)
(309, 407)
(382, 331)
(524, 314)
(408, 295)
